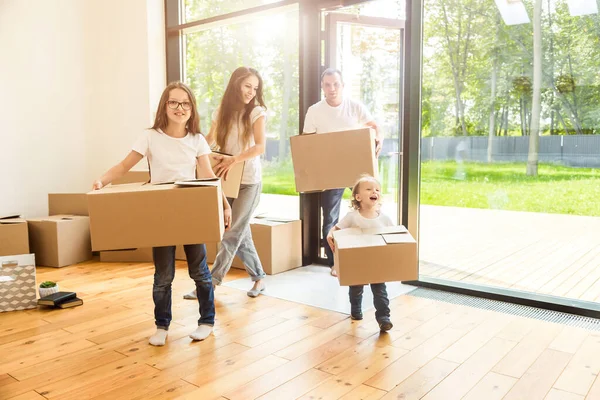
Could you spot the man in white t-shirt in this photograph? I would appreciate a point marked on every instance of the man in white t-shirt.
(332, 114)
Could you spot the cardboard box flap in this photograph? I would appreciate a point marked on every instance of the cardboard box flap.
(12, 220)
(58, 218)
(199, 182)
(9, 216)
(398, 238)
(352, 241)
(385, 230)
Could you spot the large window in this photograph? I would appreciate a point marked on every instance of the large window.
(268, 42)
(510, 145)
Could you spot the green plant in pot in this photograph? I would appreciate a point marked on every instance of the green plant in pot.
(47, 288)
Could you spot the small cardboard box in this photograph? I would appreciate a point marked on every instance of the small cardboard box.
(133, 177)
(67, 203)
(332, 160)
(60, 240)
(18, 290)
(364, 256)
(143, 215)
(14, 238)
(231, 186)
(278, 244)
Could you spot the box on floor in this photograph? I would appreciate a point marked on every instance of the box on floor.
(67, 204)
(278, 244)
(364, 256)
(18, 288)
(60, 240)
(317, 167)
(143, 215)
(14, 237)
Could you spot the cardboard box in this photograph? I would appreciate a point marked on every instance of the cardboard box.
(60, 240)
(14, 238)
(18, 289)
(133, 177)
(364, 256)
(231, 186)
(67, 203)
(144, 215)
(332, 160)
(278, 244)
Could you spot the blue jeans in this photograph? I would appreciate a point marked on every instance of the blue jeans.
(164, 272)
(238, 239)
(330, 204)
(380, 299)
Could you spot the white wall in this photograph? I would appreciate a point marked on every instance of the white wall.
(78, 81)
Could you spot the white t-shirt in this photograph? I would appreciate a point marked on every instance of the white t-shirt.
(323, 118)
(354, 220)
(171, 159)
(252, 169)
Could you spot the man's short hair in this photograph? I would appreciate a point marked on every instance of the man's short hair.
(332, 71)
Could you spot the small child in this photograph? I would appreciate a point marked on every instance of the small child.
(366, 202)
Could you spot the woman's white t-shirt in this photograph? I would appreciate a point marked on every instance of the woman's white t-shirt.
(252, 169)
(354, 220)
(171, 159)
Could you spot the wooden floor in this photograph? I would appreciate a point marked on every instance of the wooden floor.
(272, 349)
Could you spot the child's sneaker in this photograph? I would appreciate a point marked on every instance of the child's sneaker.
(356, 316)
(356, 313)
(385, 324)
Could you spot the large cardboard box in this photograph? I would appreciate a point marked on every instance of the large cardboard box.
(60, 240)
(67, 203)
(278, 244)
(14, 238)
(17, 283)
(133, 177)
(144, 215)
(332, 160)
(231, 186)
(364, 256)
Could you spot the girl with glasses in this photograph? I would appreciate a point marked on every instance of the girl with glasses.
(175, 149)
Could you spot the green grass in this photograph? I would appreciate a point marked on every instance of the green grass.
(557, 189)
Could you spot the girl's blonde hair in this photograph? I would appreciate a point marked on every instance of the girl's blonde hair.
(161, 120)
(355, 204)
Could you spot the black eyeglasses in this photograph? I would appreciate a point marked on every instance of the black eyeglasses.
(185, 105)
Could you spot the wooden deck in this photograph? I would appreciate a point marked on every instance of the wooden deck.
(552, 254)
(267, 348)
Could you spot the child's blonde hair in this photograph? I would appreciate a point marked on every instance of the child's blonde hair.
(355, 204)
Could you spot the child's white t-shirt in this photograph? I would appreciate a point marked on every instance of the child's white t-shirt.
(323, 118)
(171, 159)
(252, 169)
(354, 220)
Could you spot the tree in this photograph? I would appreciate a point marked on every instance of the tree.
(534, 138)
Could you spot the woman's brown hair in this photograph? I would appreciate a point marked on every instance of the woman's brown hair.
(232, 104)
(355, 204)
(161, 120)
